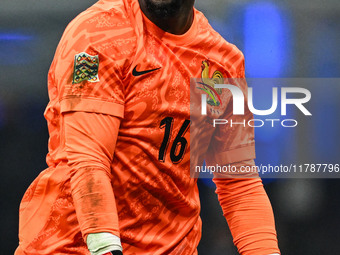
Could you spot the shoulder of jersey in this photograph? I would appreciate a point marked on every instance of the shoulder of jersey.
(105, 21)
(211, 34)
(230, 55)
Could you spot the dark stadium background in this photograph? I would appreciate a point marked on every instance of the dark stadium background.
(287, 38)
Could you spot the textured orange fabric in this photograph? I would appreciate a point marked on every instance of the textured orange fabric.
(47, 220)
(157, 202)
(90, 140)
(249, 214)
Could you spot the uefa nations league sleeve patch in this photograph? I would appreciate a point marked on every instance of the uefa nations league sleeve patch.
(85, 68)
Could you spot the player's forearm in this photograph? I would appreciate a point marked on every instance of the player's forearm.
(94, 201)
(90, 141)
(249, 214)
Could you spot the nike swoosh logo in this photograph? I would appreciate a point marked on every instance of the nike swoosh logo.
(139, 73)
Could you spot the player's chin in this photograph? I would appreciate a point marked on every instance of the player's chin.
(161, 2)
(164, 8)
(164, 3)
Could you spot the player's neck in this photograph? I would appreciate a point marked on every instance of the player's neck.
(177, 24)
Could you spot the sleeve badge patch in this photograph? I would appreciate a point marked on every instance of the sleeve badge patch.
(85, 68)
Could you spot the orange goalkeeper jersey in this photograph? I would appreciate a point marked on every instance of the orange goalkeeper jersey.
(112, 60)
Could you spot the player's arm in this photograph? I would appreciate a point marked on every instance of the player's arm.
(244, 201)
(90, 140)
(86, 88)
(248, 212)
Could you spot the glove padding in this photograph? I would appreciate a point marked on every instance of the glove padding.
(104, 244)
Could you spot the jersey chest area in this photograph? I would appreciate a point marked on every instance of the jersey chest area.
(157, 98)
(155, 91)
(159, 80)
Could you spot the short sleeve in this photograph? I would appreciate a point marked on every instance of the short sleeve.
(88, 68)
(101, 92)
(233, 141)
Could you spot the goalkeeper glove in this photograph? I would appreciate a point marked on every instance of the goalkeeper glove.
(104, 244)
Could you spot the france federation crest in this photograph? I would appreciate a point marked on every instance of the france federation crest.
(85, 68)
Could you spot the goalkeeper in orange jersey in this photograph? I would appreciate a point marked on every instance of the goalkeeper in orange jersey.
(118, 177)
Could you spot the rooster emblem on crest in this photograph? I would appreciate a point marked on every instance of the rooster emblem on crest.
(208, 83)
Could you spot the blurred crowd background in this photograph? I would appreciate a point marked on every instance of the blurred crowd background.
(286, 38)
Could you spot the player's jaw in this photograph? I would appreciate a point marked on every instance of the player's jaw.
(173, 16)
(164, 8)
